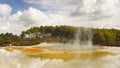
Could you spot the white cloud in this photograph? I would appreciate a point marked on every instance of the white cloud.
(93, 13)
(57, 5)
(94, 9)
(23, 20)
(98, 9)
(5, 9)
(7, 22)
(88, 13)
(5, 26)
(35, 17)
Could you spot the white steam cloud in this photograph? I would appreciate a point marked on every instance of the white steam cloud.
(17, 59)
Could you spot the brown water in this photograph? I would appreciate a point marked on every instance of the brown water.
(20, 58)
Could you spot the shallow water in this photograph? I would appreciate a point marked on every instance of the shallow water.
(17, 59)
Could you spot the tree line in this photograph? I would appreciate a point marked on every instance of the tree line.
(62, 34)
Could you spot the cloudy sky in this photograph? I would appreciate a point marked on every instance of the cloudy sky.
(19, 15)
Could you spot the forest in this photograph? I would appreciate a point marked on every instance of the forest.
(59, 34)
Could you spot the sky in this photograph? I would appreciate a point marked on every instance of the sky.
(19, 15)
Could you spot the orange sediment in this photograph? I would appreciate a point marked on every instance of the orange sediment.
(29, 50)
(33, 50)
(66, 56)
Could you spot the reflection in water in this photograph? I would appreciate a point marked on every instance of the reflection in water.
(17, 59)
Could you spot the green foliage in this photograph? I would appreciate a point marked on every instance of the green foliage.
(62, 34)
(109, 37)
(49, 34)
(9, 38)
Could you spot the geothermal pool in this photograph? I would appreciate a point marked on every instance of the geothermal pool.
(34, 57)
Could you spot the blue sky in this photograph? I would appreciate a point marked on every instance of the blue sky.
(21, 5)
(19, 15)
(16, 4)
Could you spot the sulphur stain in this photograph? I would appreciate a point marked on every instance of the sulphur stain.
(64, 55)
